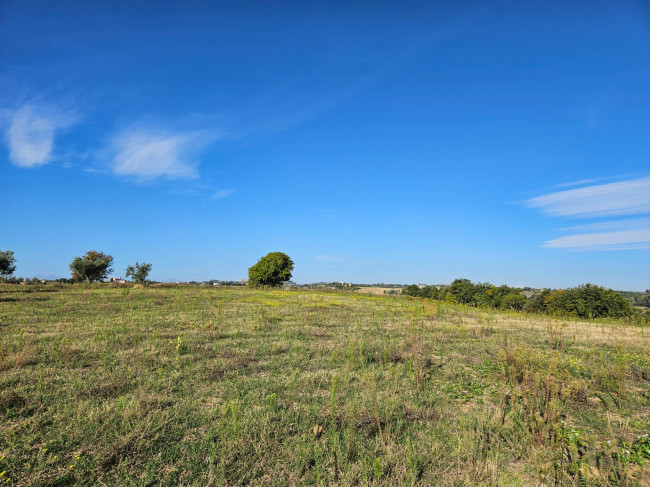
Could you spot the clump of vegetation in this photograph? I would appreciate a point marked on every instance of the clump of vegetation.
(585, 301)
(475, 294)
(640, 299)
(271, 270)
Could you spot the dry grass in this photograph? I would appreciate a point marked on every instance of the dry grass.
(377, 290)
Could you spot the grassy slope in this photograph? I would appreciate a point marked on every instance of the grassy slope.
(219, 386)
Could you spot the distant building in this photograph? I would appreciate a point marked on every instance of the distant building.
(118, 280)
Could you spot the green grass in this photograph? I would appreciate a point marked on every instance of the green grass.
(229, 386)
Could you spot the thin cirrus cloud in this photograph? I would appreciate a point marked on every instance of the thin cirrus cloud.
(612, 199)
(620, 199)
(626, 224)
(31, 132)
(222, 193)
(630, 239)
(147, 155)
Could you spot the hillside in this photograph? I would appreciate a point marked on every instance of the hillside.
(206, 385)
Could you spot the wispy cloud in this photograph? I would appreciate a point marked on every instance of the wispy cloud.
(30, 134)
(630, 239)
(626, 224)
(146, 154)
(580, 182)
(619, 199)
(222, 193)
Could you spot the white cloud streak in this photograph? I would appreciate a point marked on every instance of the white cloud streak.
(31, 132)
(615, 240)
(626, 224)
(622, 198)
(147, 155)
(631, 197)
(580, 182)
(222, 193)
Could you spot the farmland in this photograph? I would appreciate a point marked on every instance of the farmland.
(204, 386)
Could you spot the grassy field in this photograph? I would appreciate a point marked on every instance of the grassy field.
(229, 386)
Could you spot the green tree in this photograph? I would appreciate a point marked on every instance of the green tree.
(463, 290)
(412, 290)
(644, 301)
(588, 301)
(7, 263)
(93, 266)
(271, 270)
(513, 301)
(433, 292)
(539, 302)
(139, 273)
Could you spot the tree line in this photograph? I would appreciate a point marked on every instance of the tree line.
(272, 270)
(584, 301)
(92, 266)
(275, 268)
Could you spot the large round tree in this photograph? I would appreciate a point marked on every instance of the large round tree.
(271, 270)
(93, 266)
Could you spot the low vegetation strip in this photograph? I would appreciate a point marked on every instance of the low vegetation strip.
(206, 385)
(585, 301)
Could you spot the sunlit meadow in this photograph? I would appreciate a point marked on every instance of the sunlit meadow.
(201, 385)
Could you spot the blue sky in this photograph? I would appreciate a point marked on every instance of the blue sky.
(371, 141)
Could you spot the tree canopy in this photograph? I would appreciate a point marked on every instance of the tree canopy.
(139, 272)
(7, 263)
(93, 266)
(585, 301)
(271, 270)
